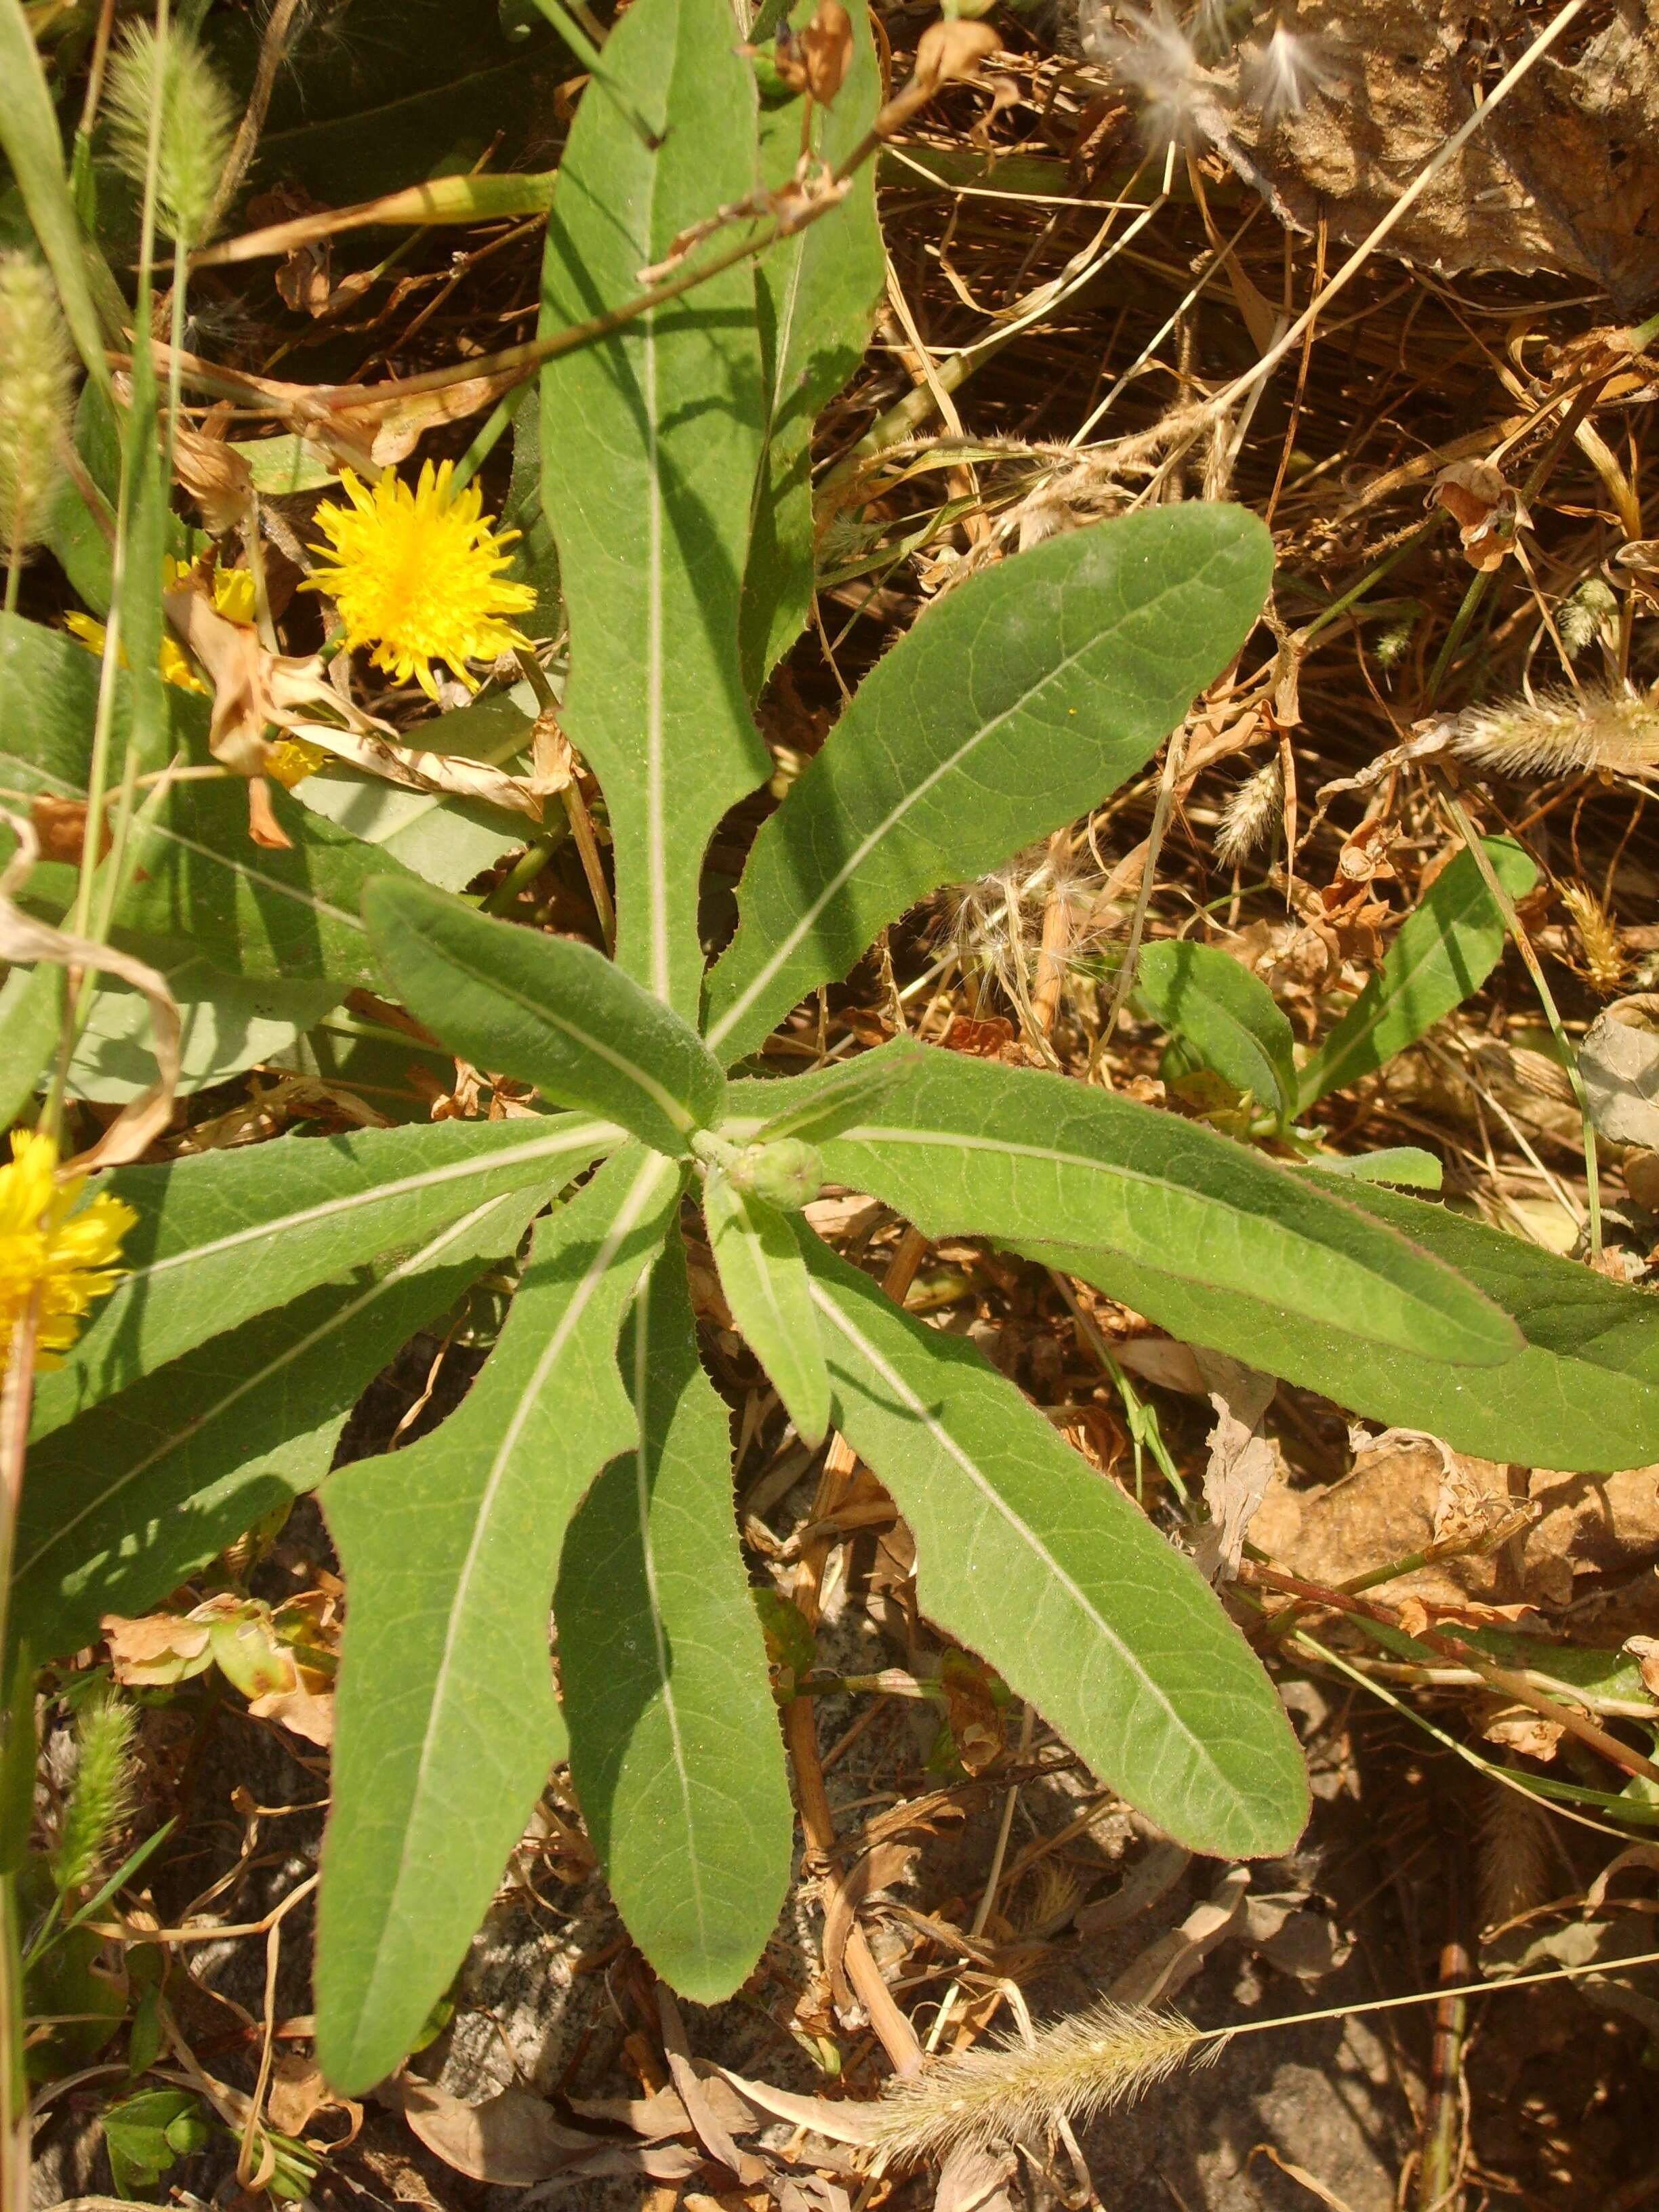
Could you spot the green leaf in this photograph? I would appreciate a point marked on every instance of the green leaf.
(1583, 1395)
(1015, 704)
(818, 294)
(229, 1024)
(1402, 1164)
(650, 445)
(1447, 947)
(834, 1098)
(29, 138)
(535, 557)
(674, 1744)
(1228, 1019)
(231, 1234)
(31, 1020)
(548, 1011)
(146, 2136)
(1045, 1569)
(1226, 1236)
(447, 1721)
(761, 1273)
(196, 874)
(145, 1489)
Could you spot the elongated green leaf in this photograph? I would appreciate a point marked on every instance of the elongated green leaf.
(650, 445)
(30, 140)
(1405, 1165)
(31, 1019)
(1583, 1396)
(760, 1269)
(1026, 1157)
(1231, 1021)
(674, 1744)
(142, 1491)
(448, 1720)
(233, 1234)
(146, 514)
(1447, 947)
(834, 1098)
(548, 1011)
(1049, 1571)
(197, 874)
(818, 294)
(1015, 704)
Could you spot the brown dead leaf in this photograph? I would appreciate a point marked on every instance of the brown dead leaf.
(156, 1649)
(512, 2140)
(815, 60)
(1518, 1727)
(1241, 1460)
(1167, 1965)
(1644, 1649)
(61, 826)
(1487, 511)
(951, 48)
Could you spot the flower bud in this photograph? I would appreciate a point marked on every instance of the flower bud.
(787, 1173)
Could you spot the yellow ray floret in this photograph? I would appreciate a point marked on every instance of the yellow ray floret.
(232, 598)
(416, 575)
(71, 1258)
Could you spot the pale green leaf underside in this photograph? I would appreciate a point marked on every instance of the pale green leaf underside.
(1043, 1566)
(1017, 703)
(547, 1010)
(674, 1743)
(231, 1234)
(142, 1492)
(447, 1724)
(760, 1269)
(650, 445)
(1448, 945)
(1020, 1158)
(1228, 1017)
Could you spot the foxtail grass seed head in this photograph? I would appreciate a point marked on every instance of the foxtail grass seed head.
(1589, 614)
(197, 125)
(101, 1797)
(36, 386)
(1613, 729)
(1605, 963)
(1009, 2090)
(1249, 813)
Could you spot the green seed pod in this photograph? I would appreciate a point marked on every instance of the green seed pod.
(787, 1173)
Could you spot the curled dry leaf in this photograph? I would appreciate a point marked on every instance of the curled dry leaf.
(1619, 1062)
(1486, 510)
(27, 943)
(816, 60)
(951, 49)
(1241, 1460)
(448, 773)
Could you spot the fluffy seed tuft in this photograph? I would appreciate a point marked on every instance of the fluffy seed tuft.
(1157, 59)
(1280, 75)
(1008, 2090)
(1616, 730)
(197, 124)
(1248, 814)
(36, 383)
(100, 1802)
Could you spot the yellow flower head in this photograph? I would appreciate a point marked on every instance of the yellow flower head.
(44, 1244)
(232, 598)
(417, 575)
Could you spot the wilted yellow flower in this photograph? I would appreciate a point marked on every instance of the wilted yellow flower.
(233, 597)
(44, 1244)
(291, 760)
(416, 575)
